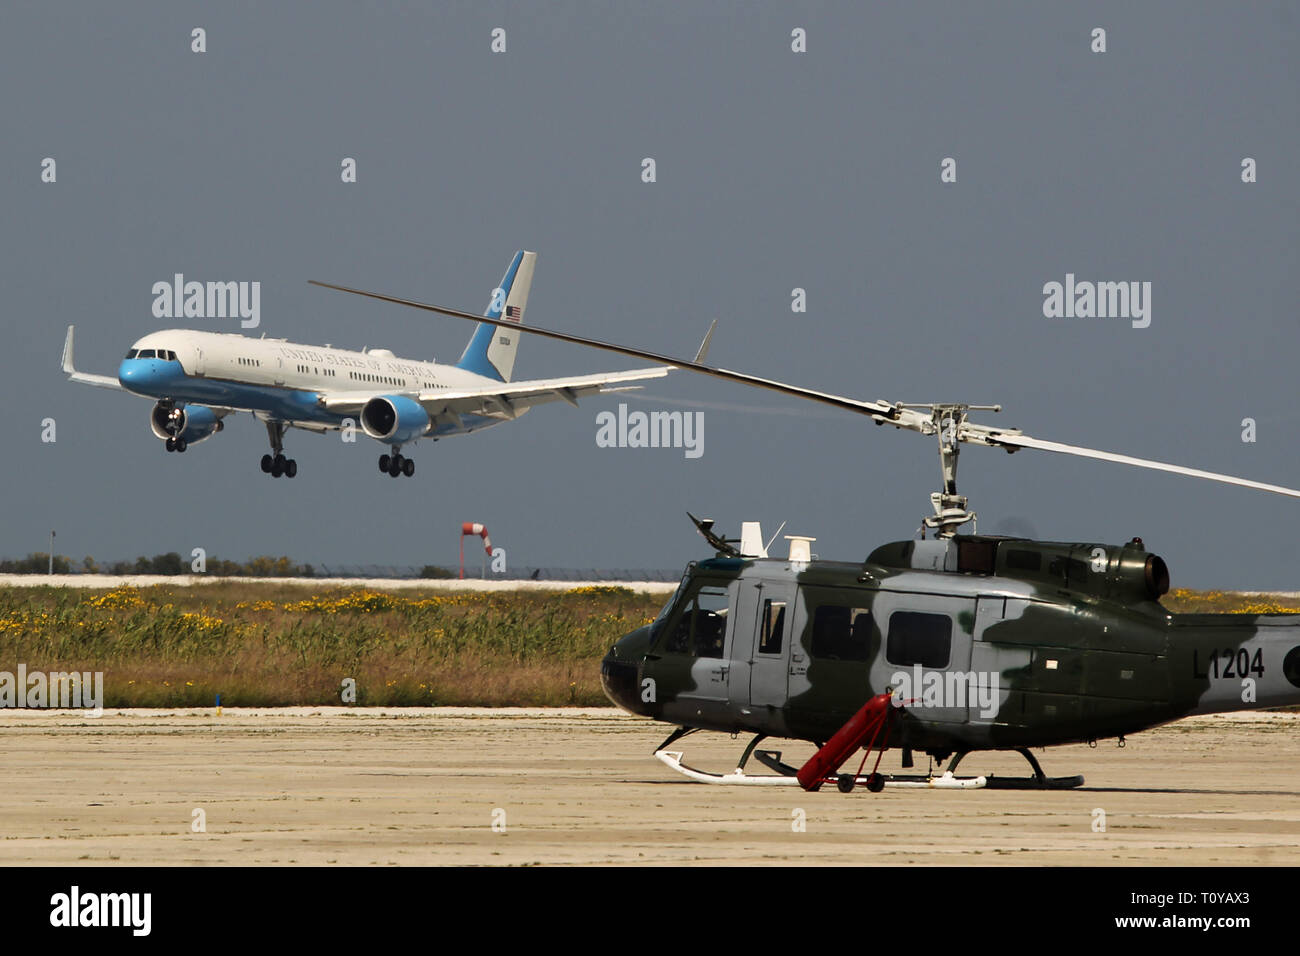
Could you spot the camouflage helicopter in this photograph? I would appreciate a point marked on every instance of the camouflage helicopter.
(945, 645)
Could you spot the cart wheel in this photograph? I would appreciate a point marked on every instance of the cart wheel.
(875, 783)
(845, 782)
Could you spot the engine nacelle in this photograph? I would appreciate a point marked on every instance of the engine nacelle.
(191, 423)
(394, 419)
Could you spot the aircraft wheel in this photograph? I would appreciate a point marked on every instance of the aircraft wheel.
(277, 466)
(171, 444)
(181, 444)
(266, 463)
(845, 782)
(383, 462)
(408, 467)
(291, 468)
(875, 783)
(395, 466)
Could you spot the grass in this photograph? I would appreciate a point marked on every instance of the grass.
(265, 644)
(1183, 601)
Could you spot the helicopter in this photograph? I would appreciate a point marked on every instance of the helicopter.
(945, 645)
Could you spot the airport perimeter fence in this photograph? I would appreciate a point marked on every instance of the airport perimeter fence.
(514, 574)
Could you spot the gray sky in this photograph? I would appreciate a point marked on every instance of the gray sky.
(775, 170)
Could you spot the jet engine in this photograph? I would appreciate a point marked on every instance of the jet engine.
(394, 419)
(188, 423)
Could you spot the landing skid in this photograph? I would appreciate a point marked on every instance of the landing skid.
(783, 775)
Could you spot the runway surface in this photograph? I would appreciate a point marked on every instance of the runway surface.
(425, 786)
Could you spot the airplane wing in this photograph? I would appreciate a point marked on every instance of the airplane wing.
(85, 378)
(499, 400)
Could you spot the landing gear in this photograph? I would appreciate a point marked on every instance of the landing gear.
(177, 444)
(1039, 781)
(396, 464)
(277, 465)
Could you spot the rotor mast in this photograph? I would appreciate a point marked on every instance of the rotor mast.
(947, 421)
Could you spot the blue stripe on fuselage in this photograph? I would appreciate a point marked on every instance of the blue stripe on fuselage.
(155, 378)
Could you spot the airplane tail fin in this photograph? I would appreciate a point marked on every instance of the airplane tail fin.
(491, 350)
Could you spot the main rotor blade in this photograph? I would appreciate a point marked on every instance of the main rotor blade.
(883, 413)
(826, 398)
(1024, 441)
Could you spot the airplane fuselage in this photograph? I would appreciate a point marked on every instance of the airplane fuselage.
(283, 380)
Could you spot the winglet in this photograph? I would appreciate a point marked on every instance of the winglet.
(102, 381)
(67, 352)
(704, 346)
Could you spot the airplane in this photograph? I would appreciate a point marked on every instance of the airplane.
(197, 379)
(950, 646)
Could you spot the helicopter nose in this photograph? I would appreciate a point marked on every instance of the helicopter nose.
(619, 671)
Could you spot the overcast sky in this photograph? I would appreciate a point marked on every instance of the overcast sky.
(775, 170)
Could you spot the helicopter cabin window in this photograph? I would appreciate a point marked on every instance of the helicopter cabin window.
(841, 633)
(702, 628)
(1020, 560)
(919, 638)
(773, 627)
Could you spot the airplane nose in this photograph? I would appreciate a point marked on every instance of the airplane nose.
(141, 375)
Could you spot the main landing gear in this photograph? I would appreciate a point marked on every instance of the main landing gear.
(278, 465)
(396, 464)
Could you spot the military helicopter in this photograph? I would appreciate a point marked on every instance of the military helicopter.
(945, 645)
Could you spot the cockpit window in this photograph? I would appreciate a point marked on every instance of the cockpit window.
(672, 601)
(145, 353)
(132, 354)
(701, 630)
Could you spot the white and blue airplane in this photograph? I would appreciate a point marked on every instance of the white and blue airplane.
(199, 378)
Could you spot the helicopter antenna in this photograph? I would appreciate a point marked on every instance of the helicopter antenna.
(948, 421)
(768, 546)
(721, 543)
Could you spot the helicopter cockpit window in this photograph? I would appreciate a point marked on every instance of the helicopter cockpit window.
(919, 638)
(841, 633)
(773, 627)
(702, 628)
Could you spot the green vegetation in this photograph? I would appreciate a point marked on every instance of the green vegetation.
(1183, 601)
(271, 643)
(265, 644)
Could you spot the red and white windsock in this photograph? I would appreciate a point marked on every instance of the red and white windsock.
(471, 528)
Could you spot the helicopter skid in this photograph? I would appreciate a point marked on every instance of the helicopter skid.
(947, 781)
